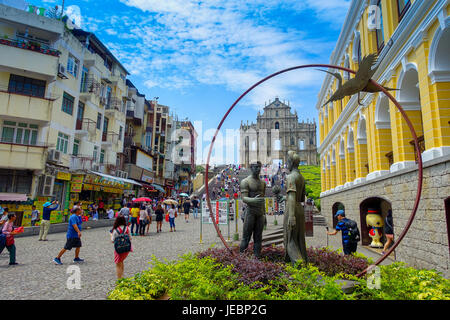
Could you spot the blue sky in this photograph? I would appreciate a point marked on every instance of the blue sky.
(198, 57)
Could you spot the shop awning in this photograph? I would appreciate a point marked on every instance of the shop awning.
(158, 187)
(13, 197)
(116, 178)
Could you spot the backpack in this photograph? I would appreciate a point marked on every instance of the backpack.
(122, 242)
(353, 231)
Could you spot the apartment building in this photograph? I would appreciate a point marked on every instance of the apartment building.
(62, 111)
(185, 155)
(138, 143)
(367, 154)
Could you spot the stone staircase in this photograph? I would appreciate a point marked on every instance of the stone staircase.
(319, 220)
(274, 237)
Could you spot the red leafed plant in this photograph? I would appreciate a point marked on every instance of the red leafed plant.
(271, 265)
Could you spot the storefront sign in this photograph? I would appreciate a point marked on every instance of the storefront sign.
(77, 178)
(76, 187)
(63, 176)
(146, 178)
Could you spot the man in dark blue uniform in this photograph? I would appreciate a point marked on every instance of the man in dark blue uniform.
(348, 246)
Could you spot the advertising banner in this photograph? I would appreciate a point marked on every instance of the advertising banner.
(220, 212)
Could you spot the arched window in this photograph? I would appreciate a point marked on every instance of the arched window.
(380, 33)
(356, 56)
(277, 125)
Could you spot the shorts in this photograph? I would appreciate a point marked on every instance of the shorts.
(72, 243)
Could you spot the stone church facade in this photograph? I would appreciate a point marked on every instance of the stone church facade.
(276, 131)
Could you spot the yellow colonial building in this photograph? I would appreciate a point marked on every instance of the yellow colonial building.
(367, 153)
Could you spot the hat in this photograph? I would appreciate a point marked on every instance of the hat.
(45, 205)
(340, 213)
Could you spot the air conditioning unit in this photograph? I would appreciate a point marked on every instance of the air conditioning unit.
(62, 71)
(54, 156)
(47, 185)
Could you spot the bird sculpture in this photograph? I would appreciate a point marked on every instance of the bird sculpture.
(360, 83)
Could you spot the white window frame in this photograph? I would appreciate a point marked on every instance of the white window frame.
(62, 142)
(16, 128)
(73, 65)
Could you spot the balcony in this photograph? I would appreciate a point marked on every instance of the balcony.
(23, 156)
(29, 56)
(25, 106)
(85, 127)
(90, 88)
(81, 162)
(114, 108)
(109, 138)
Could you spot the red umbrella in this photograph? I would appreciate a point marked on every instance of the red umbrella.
(142, 200)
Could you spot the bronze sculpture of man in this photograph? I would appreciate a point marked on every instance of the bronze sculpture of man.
(253, 190)
(294, 218)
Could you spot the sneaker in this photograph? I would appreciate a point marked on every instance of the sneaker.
(13, 263)
(78, 260)
(57, 261)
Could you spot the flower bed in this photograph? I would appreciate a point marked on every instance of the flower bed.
(218, 274)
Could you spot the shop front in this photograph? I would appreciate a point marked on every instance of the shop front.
(96, 188)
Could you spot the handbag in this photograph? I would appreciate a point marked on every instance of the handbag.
(9, 240)
(167, 217)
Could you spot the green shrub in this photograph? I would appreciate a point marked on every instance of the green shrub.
(400, 282)
(197, 277)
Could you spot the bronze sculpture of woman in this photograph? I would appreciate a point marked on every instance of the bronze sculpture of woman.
(294, 218)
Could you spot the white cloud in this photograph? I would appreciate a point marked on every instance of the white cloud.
(185, 43)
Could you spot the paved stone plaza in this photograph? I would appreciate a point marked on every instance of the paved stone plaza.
(37, 277)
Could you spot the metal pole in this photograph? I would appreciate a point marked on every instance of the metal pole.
(405, 117)
(201, 223)
(62, 10)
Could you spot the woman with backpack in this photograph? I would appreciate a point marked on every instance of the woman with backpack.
(121, 238)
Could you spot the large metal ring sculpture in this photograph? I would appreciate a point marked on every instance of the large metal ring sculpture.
(400, 109)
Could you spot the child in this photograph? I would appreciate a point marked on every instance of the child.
(73, 237)
(111, 213)
(34, 216)
(120, 226)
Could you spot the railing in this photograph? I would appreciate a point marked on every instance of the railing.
(421, 141)
(86, 124)
(90, 85)
(31, 45)
(30, 93)
(37, 144)
(110, 137)
(81, 162)
(115, 104)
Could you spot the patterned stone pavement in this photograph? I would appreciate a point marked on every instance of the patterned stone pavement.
(37, 277)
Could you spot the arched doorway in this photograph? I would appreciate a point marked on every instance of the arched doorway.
(337, 206)
(376, 204)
